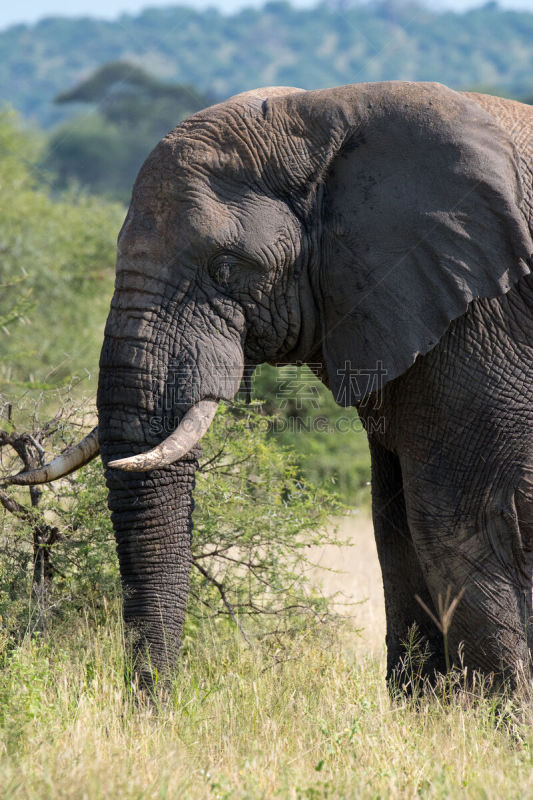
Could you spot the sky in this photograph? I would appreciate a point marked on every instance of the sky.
(32, 10)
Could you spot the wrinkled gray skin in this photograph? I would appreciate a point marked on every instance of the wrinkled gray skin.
(379, 226)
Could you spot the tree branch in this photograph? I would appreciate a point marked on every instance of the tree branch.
(224, 599)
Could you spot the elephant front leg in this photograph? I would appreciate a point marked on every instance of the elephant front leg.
(403, 581)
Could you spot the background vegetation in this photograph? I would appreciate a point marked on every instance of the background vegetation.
(328, 45)
(57, 266)
(129, 111)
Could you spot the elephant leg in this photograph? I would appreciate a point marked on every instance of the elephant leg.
(480, 554)
(403, 579)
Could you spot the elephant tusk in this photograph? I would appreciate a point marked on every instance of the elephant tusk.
(72, 459)
(188, 433)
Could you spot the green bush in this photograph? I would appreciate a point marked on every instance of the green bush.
(328, 440)
(255, 518)
(57, 256)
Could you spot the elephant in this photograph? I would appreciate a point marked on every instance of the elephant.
(379, 229)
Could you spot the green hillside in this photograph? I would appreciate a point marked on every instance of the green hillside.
(311, 48)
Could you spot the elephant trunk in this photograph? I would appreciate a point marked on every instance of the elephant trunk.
(150, 510)
(153, 372)
(151, 515)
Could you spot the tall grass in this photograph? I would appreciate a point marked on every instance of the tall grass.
(310, 719)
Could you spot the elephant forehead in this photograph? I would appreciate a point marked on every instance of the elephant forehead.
(165, 209)
(197, 222)
(248, 218)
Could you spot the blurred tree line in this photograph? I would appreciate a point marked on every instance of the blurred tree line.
(129, 110)
(330, 44)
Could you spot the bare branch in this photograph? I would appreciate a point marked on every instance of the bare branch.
(11, 505)
(224, 599)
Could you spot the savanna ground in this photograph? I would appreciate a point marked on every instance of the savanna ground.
(304, 718)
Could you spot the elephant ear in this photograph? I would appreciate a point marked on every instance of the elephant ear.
(423, 211)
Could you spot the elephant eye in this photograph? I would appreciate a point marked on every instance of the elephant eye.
(222, 268)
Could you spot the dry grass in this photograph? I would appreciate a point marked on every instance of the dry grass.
(313, 721)
(356, 576)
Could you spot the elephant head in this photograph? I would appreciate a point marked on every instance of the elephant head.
(346, 226)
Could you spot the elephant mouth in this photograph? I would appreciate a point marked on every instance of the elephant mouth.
(190, 430)
(188, 433)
